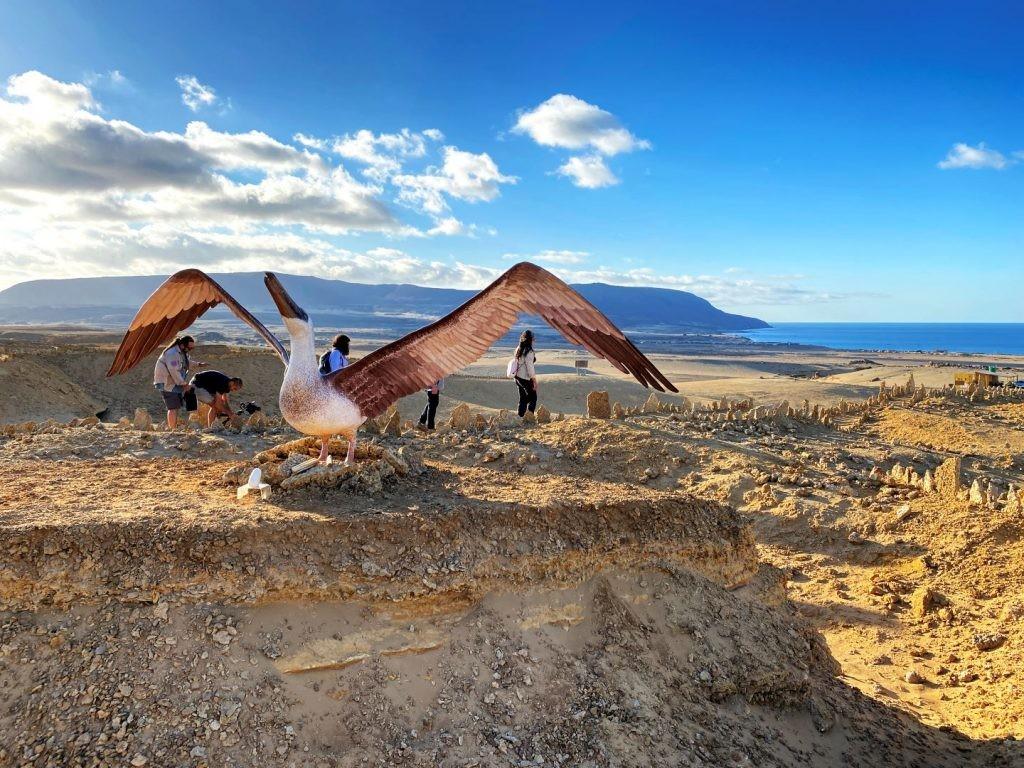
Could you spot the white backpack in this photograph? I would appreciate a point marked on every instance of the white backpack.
(513, 368)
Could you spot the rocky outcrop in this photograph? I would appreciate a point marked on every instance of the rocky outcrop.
(947, 478)
(598, 405)
(142, 421)
(460, 418)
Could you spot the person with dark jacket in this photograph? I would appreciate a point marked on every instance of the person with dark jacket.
(212, 388)
(430, 409)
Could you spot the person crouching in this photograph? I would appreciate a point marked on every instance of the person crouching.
(212, 388)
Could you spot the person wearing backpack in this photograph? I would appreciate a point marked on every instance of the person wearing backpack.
(522, 368)
(336, 357)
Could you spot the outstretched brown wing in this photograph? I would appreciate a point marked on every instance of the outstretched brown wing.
(173, 307)
(456, 340)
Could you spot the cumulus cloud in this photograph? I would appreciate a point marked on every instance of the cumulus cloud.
(965, 156)
(81, 188)
(462, 176)
(43, 94)
(588, 172)
(310, 141)
(447, 226)
(254, 150)
(194, 94)
(384, 153)
(54, 147)
(569, 122)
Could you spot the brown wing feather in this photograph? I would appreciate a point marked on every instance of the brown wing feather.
(416, 361)
(179, 301)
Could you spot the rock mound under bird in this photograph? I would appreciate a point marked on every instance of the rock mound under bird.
(669, 582)
(287, 466)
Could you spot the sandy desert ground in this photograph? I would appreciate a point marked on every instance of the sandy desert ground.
(719, 585)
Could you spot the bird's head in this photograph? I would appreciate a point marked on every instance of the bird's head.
(295, 318)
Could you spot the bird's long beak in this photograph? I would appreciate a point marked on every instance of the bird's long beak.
(285, 304)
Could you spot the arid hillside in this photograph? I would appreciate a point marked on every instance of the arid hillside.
(690, 582)
(735, 577)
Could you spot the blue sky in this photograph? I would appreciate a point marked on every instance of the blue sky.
(795, 161)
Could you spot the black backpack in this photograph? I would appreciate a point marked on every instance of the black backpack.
(325, 362)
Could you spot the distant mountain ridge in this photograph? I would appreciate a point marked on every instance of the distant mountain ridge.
(110, 300)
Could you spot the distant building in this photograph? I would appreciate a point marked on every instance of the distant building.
(981, 378)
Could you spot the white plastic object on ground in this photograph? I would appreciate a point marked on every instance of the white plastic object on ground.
(255, 483)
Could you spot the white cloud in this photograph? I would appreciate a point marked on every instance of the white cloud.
(82, 191)
(763, 291)
(965, 156)
(253, 150)
(72, 249)
(384, 153)
(310, 141)
(113, 80)
(462, 176)
(447, 226)
(44, 95)
(194, 94)
(588, 172)
(571, 123)
(67, 251)
(54, 147)
(550, 257)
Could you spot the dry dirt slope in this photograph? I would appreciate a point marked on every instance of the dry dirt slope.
(564, 594)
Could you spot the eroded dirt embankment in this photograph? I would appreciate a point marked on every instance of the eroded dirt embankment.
(396, 555)
(541, 595)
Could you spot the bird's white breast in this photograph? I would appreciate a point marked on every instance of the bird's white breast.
(314, 407)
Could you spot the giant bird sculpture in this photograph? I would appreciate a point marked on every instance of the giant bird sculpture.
(341, 401)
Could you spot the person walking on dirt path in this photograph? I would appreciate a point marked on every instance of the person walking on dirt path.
(336, 357)
(170, 375)
(430, 409)
(523, 370)
(212, 388)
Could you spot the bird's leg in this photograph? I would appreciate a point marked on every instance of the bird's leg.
(350, 457)
(325, 443)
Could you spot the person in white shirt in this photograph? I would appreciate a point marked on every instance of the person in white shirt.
(170, 375)
(526, 374)
(336, 357)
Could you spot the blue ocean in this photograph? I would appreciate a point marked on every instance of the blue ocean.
(977, 338)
